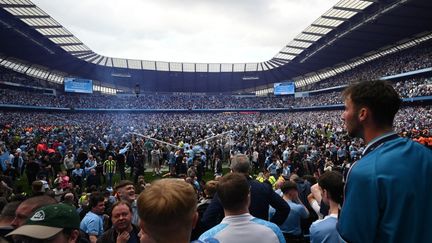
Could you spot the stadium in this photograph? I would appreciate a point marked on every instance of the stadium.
(67, 112)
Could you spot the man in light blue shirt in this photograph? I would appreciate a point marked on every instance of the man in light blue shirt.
(273, 167)
(89, 164)
(92, 223)
(291, 227)
(238, 225)
(331, 188)
(387, 193)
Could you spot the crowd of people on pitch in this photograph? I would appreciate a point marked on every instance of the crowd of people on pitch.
(78, 159)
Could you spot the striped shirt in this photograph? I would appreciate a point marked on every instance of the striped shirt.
(109, 166)
(244, 228)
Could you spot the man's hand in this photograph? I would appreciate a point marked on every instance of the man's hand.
(123, 237)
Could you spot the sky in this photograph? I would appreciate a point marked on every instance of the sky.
(208, 31)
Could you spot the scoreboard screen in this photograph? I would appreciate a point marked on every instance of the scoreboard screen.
(287, 88)
(78, 85)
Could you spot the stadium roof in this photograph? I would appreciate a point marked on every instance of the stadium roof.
(36, 18)
(343, 11)
(348, 30)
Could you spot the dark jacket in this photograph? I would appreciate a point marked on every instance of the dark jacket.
(110, 236)
(262, 196)
(93, 180)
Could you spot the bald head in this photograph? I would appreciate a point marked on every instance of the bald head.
(69, 196)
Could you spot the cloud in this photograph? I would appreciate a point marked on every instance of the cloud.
(187, 30)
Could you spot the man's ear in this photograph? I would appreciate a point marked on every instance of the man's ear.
(363, 113)
(74, 236)
(195, 219)
(324, 193)
(141, 224)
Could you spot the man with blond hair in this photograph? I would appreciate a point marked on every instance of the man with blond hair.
(167, 211)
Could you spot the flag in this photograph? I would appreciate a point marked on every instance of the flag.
(126, 148)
